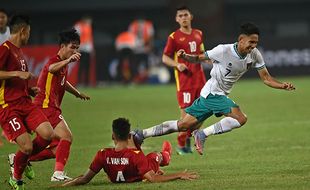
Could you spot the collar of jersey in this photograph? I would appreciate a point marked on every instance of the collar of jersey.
(236, 50)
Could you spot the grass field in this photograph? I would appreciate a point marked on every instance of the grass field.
(272, 151)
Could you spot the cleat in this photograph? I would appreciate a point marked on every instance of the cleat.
(200, 139)
(60, 176)
(138, 137)
(166, 153)
(29, 172)
(184, 150)
(11, 158)
(166, 147)
(16, 185)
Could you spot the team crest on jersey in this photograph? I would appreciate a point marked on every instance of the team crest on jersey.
(182, 39)
(229, 64)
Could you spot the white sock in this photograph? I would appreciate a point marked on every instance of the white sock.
(224, 125)
(161, 129)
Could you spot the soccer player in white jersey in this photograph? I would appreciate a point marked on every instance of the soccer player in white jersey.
(230, 62)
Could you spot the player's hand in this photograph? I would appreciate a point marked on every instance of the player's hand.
(33, 91)
(181, 53)
(185, 175)
(181, 67)
(75, 57)
(25, 75)
(83, 96)
(288, 86)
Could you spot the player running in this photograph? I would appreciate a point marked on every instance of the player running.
(127, 163)
(230, 62)
(53, 84)
(189, 77)
(18, 115)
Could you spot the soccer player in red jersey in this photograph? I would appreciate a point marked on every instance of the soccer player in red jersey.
(53, 84)
(127, 163)
(189, 77)
(18, 115)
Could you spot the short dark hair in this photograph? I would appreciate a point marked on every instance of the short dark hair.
(17, 22)
(4, 11)
(182, 7)
(249, 29)
(121, 128)
(69, 36)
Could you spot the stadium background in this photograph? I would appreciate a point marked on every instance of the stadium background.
(284, 39)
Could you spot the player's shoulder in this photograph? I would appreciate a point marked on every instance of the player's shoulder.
(5, 46)
(195, 30)
(53, 59)
(172, 35)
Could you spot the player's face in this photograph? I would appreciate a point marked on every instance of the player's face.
(3, 20)
(25, 34)
(184, 18)
(247, 43)
(70, 49)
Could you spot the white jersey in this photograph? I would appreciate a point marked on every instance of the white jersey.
(5, 36)
(228, 67)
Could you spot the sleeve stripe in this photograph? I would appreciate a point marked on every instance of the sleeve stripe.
(261, 67)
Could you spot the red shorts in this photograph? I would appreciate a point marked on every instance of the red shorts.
(187, 97)
(20, 117)
(53, 115)
(153, 160)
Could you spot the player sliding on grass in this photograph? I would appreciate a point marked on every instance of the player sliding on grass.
(230, 62)
(127, 163)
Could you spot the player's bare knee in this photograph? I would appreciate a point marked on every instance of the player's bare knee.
(26, 148)
(182, 125)
(242, 119)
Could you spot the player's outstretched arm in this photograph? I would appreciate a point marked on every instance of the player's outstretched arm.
(272, 82)
(81, 180)
(53, 68)
(72, 90)
(185, 175)
(192, 58)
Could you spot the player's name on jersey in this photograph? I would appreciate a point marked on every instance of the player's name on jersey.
(117, 161)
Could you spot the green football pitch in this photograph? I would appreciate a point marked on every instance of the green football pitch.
(272, 151)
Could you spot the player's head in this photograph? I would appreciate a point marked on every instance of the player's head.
(183, 16)
(121, 129)
(248, 37)
(3, 19)
(20, 26)
(69, 41)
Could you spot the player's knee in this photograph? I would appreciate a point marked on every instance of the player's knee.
(182, 126)
(67, 137)
(242, 119)
(26, 148)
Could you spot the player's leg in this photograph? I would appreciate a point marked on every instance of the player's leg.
(221, 105)
(157, 159)
(48, 153)
(63, 133)
(183, 140)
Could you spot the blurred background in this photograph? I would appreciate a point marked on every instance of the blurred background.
(284, 40)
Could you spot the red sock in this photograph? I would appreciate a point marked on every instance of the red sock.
(182, 139)
(166, 158)
(62, 154)
(20, 162)
(43, 155)
(39, 144)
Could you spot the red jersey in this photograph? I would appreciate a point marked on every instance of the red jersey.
(12, 59)
(128, 165)
(52, 85)
(192, 44)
